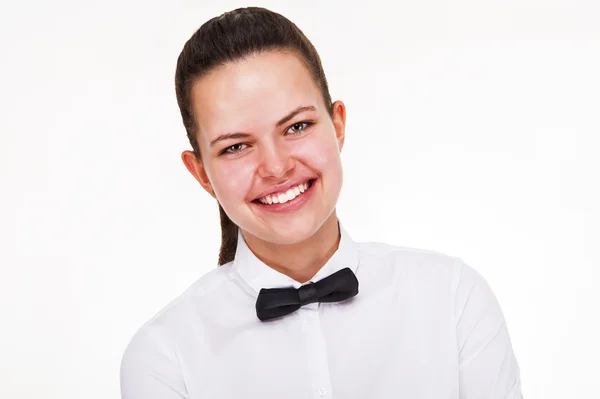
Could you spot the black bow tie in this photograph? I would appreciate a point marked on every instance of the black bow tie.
(276, 302)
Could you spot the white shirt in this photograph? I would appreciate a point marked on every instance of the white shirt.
(423, 325)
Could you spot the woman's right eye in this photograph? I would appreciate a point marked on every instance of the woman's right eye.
(233, 149)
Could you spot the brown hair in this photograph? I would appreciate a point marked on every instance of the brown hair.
(229, 37)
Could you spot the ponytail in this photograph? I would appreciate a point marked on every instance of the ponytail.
(229, 238)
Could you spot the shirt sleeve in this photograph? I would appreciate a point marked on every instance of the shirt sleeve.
(487, 365)
(149, 369)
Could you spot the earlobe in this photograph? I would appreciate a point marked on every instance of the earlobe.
(196, 168)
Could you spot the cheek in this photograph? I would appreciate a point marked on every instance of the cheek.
(232, 180)
(321, 153)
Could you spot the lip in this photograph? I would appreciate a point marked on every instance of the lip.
(282, 188)
(292, 205)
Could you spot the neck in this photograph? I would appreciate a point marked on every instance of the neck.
(300, 261)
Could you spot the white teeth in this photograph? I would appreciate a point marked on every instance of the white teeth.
(290, 194)
(282, 198)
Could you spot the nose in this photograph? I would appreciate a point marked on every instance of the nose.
(275, 162)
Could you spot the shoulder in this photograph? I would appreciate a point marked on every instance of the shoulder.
(413, 262)
(423, 274)
(160, 331)
(152, 362)
(203, 287)
(428, 269)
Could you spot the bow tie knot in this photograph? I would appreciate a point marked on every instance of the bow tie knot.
(277, 302)
(308, 294)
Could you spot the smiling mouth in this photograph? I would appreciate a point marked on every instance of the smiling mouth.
(289, 195)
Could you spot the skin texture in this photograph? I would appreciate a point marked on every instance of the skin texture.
(251, 96)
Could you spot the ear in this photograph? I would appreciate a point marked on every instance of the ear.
(339, 122)
(196, 168)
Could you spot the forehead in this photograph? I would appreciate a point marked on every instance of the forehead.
(253, 93)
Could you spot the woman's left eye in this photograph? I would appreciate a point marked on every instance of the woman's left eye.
(299, 127)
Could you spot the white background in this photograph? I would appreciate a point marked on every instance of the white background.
(473, 130)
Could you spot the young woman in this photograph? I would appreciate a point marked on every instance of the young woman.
(296, 308)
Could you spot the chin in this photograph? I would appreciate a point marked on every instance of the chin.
(289, 238)
(291, 233)
(283, 232)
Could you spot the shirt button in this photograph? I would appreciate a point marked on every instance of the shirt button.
(322, 392)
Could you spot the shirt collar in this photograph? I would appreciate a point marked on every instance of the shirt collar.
(257, 274)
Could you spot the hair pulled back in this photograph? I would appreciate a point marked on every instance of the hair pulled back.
(230, 37)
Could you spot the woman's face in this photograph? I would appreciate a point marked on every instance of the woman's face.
(263, 128)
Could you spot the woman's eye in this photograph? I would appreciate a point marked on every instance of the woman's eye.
(296, 128)
(234, 149)
(299, 127)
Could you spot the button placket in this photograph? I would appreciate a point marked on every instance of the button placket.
(316, 352)
(312, 314)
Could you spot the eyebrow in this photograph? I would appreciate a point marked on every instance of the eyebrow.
(229, 136)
